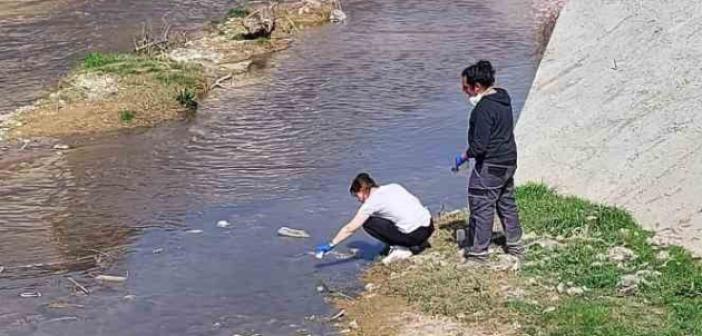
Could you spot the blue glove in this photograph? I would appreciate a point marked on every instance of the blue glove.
(457, 162)
(323, 249)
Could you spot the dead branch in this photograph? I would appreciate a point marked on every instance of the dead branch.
(79, 286)
(160, 43)
(219, 81)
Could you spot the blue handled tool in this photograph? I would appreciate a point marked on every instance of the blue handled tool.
(458, 161)
(322, 249)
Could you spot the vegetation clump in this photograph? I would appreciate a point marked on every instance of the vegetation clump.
(126, 116)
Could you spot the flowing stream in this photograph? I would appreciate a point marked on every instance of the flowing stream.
(380, 93)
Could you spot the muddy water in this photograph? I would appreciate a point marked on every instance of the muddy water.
(379, 94)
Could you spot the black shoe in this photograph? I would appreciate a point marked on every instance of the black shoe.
(516, 250)
(474, 260)
(420, 248)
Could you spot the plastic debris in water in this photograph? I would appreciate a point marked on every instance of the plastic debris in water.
(111, 278)
(30, 295)
(292, 233)
(194, 231)
(223, 224)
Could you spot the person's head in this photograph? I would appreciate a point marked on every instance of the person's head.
(361, 186)
(477, 78)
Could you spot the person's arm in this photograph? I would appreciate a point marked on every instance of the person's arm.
(481, 135)
(350, 228)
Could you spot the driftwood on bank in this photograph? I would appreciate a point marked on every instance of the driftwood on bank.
(149, 42)
(79, 286)
(219, 81)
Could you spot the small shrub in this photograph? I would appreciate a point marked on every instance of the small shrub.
(186, 98)
(126, 116)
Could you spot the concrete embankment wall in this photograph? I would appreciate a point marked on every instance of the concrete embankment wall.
(615, 112)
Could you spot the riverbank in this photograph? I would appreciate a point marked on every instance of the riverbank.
(166, 75)
(596, 125)
(590, 269)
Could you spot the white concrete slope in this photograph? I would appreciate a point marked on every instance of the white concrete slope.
(615, 112)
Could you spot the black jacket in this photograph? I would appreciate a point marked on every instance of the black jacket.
(491, 130)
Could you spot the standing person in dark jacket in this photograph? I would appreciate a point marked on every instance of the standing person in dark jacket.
(491, 144)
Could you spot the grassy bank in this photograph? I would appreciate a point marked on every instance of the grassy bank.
(589, 270)
(166, 75)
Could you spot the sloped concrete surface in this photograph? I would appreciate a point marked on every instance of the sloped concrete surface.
(615, 113)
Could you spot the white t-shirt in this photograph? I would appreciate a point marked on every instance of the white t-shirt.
(395, 203)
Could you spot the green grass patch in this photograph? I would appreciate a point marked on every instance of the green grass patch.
(186, 81)
(96, 60)
(668, 304)
(125, 64)
(126, 116)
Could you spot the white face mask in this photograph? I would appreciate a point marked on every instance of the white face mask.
(474, 100)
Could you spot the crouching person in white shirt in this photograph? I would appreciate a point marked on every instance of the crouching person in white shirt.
(390, 214)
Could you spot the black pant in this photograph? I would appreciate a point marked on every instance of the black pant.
(387, 232)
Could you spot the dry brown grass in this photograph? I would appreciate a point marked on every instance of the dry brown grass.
(434, 295)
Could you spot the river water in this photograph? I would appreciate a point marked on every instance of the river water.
(380, 93)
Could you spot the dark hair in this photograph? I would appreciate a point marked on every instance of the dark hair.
(481, 73)
(362, 182)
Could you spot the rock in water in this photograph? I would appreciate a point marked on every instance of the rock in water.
(261, 24)
(337, 16)
(292, 233)
(61, 147)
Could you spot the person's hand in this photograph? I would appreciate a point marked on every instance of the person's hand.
(323, 249)
(457, 162)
